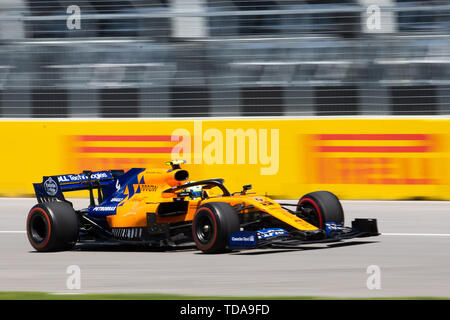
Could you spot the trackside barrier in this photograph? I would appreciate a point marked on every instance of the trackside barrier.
(284, 158)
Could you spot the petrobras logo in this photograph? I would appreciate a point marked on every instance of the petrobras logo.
(271, 233)
(104, 209)
(51, 187)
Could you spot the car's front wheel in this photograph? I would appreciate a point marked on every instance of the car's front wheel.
(212, 225)
(321, 207)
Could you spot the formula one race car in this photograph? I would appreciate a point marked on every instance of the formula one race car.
(160, 208)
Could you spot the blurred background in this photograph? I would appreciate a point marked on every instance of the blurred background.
(177, 58)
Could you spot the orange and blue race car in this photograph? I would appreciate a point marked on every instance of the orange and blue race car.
(158, 207)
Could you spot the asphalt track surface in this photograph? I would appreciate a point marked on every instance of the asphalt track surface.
(413, 256)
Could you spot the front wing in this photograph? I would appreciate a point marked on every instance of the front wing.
(277, 237)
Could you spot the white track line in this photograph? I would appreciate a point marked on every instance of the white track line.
(418, 234)
(13, 231)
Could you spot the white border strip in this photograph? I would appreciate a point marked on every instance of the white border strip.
(418, 234)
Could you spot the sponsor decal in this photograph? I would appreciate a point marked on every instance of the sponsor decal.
(221, 146)
(51, 187)
(100, 175)
(374, 159)
(248, 239)
(264, 202)
(149, 187)
(68, 178)
(129, 151)
(243, 239)
(104, 209)
(271, 233)
(331, 227)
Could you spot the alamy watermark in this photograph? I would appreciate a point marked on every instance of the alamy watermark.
(73, 281)
(374, 280)
(229, 146)
(373, 20)
(74, 19)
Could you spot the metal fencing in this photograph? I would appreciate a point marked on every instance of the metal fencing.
(223, 58)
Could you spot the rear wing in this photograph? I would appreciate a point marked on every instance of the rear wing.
(52, 187)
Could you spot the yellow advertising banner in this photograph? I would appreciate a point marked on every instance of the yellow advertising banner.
(283, 158)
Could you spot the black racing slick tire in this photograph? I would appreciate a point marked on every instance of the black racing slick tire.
(213, 223)
(321, 207)
(52, 226)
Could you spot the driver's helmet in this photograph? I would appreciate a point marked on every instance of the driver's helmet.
(196, 191)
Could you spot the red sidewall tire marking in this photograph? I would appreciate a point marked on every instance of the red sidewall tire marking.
(319, 213)
(201, 246)
(43, 244)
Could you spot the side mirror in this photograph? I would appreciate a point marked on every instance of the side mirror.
(246, 188)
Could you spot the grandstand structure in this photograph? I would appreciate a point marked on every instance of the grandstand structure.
(210, 58)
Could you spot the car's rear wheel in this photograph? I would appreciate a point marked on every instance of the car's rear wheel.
(321, 207)
(52, 226)
(213, 223)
